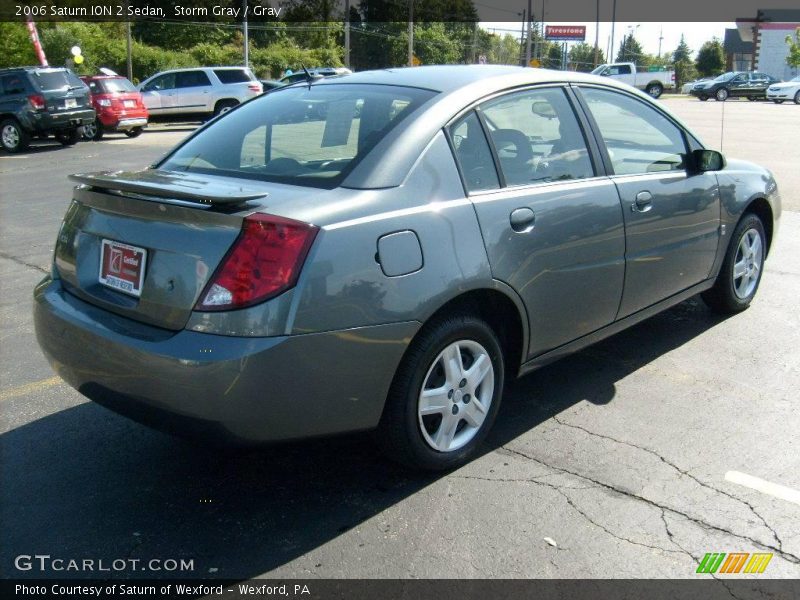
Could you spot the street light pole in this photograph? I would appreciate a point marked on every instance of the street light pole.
(246, 35)
(612, 54)
(597, 33)
(410, 33)
(528, 41)
(347, 33)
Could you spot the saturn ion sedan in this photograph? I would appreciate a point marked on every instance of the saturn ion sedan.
(388, 262)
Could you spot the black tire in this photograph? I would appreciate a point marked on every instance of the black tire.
(703, 98)
(135, 132)
(93, 131)
(400, 430)
(68, 137)
(721, 95)
(13, 137)
(224, 106)
(723, 298)
(781, 101)
(654, 90)
(797, 97)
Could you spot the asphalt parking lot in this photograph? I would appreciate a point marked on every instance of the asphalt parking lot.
(614, 462)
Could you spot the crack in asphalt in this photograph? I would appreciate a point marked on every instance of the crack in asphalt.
(708, 526)
(683, 472)
(21, 262)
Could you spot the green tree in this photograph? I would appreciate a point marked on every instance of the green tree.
(17, 45)
(630, 50)
(793, 60)
(581, 57)
(682, 62)
(710, 58)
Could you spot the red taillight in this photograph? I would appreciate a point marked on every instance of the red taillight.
(37, 101)
(255, 87)
(264, 261)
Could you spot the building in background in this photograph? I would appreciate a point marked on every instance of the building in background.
(767, 34)
(738, 53)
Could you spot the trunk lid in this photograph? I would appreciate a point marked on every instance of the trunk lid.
(178, 226)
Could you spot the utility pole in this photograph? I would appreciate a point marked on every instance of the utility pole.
(522, 35)
(613, 24)
(130, 52)
(347, 33)
(246, 35)
(410, 33)
(528, 41)
(660, 37)
(597, 35)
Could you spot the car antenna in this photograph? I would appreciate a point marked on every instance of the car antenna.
(309, 77)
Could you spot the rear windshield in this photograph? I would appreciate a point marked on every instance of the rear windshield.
(233, 75)
(302, 135)
(109, 86)
(56, 80)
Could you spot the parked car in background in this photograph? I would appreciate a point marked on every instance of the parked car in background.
(199, 92)
(316, 72)
(270, 84)
(42, 101)
(786, 90)
(686, 88)
(273, 278)
(118, 104)
(734, 84)
(652, 82)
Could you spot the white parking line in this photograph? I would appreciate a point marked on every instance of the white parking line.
(765, 487)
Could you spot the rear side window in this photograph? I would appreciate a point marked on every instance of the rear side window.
(186, 79)
(12, 84)
(232, 75)
(537, 137)
(302, 136)
(56, 80)
(473, 154)
(639, 139)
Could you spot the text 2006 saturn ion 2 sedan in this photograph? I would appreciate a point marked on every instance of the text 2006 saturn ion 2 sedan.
(385, 263)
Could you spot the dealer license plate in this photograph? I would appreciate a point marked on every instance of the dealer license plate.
(70, 103)
(122, 267)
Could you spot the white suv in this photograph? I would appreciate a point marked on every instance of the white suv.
(201, 91)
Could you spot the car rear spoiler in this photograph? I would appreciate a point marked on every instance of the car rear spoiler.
(172, 187)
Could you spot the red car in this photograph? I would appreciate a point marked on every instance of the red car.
(118, 104)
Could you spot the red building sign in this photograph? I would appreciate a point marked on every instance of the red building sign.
(565, 33)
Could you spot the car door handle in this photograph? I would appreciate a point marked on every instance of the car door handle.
(522, 220)
(643, 202)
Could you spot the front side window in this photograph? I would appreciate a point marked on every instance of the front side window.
(473, 154)
(537, 137)
(639, 139)
(308, 135)
(164, 82)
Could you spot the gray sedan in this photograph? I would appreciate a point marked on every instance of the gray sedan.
(388, 262)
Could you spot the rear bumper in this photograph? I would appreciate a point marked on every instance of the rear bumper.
(247, 390)
(44, 121)
(112, 120)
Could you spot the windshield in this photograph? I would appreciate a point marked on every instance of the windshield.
(725, 77)
(299, 135)
(598, 70)
(110, 86)
(57, 80)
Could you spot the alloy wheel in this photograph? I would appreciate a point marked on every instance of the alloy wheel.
(747, 264)
(90, 130)
(456, 395)
(722, 95)
(10, 136)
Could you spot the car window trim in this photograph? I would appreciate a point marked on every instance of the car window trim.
(598, 165)
(687, 138)
(447, 130)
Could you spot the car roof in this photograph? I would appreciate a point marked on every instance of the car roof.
(449, 78)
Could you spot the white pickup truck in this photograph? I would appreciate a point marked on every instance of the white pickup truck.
(652, 82)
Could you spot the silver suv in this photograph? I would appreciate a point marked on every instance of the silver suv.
(202, 91)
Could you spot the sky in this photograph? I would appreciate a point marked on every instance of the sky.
(646, 33)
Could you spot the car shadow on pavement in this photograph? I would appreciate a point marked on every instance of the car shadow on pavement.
(85, 483)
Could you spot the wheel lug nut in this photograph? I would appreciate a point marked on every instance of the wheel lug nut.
(462, 383)
(455, 409)
(450, 394)
(466, 398)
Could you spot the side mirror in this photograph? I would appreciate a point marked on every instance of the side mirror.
(708, 160)
(543, 109)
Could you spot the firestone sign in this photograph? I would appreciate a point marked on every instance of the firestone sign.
(565, 33)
